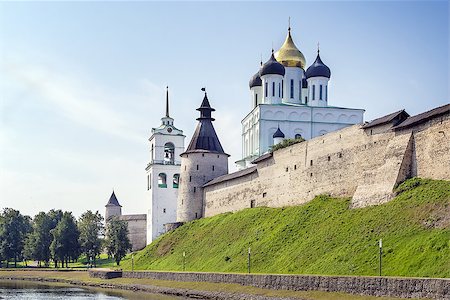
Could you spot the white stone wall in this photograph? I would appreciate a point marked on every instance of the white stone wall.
(316, 82)
(163, 201)
(273, 97)
(196, 170)
(296, 74)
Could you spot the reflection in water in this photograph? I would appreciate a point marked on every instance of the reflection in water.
(21, 290)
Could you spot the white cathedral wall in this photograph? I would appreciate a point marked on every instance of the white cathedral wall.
(272, 97)
(296, 74)
(316, 82)
(163, 201)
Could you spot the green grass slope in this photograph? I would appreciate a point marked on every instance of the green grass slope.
(323, 236)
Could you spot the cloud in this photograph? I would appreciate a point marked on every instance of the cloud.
(80, 101)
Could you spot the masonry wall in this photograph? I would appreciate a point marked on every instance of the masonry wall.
(374, 286)
(347, 163)
(137, 230)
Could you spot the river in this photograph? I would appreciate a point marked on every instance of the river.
(21, 290)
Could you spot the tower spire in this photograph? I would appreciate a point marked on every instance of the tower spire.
(167, 101)
(289, 24)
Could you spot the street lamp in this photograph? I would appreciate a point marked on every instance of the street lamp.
(380, 244)
(248, 261)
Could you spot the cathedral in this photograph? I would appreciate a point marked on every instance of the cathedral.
(291, 102)
(287, 102)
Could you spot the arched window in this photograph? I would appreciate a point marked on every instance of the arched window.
(279, 89)
(162, 180)
(256, 99)
(300, 91)
(298, 136)
(273, 89)
(320, 92)
(169, 154)
(176, 180)
(313, 92)
(265, 89)
(282, 88)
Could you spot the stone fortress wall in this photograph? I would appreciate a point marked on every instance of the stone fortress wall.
(137, 230)
(352, 162)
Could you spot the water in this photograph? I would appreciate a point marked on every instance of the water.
(22, 290)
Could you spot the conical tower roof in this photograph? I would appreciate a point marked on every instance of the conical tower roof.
(205, 137)
(113, 200)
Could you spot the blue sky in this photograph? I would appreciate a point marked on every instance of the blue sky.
(82, 83)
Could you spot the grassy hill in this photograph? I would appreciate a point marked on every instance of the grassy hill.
(323, 236)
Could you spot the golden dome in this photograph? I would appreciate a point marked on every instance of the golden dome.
(289, 55)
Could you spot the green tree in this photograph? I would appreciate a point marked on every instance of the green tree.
(117, 241)
(91, 228)
(65, 245)
(37, 244)
(13, 230)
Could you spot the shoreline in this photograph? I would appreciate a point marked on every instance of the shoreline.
(167, 291)
(183, 289)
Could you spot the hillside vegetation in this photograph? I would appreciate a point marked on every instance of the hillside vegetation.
(323, 236)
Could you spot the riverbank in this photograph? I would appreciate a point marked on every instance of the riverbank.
(196, 290)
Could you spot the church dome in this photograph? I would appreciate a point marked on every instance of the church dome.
(272, 67)
(255, 80)
(289, 55)
(318, 69)
(278, 134)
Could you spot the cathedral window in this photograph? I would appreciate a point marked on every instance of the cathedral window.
(300, 91)
(256, 100)
(313, 92)
(162, 180)
(176, 181)
(266, 87)
(292, 88)
(282, 88)
(273, 89)
(326, 93)
(320, 92)
(279, 89)
(169, 154)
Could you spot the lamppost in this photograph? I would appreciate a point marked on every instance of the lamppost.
(132, 262)
(184, 261)
(381, 252)
(248, 261)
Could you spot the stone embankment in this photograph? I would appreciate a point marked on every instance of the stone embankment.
(429, 288)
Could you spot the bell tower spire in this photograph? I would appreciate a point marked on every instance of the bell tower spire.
(167, 102)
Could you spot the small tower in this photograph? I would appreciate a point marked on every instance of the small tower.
(272, 73)
(113, 208)
(203, 160)
(163, 174)
(278, 136)
(318, 75)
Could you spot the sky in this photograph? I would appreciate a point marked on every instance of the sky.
(82, 83)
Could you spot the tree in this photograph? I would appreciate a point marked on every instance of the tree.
(91, 227)
(65, 246)
(117, 241)
(13, 230)
(37, 244)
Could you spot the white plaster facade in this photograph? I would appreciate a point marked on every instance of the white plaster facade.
(163, 173)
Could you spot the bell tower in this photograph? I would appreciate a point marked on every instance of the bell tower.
(163, 174)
